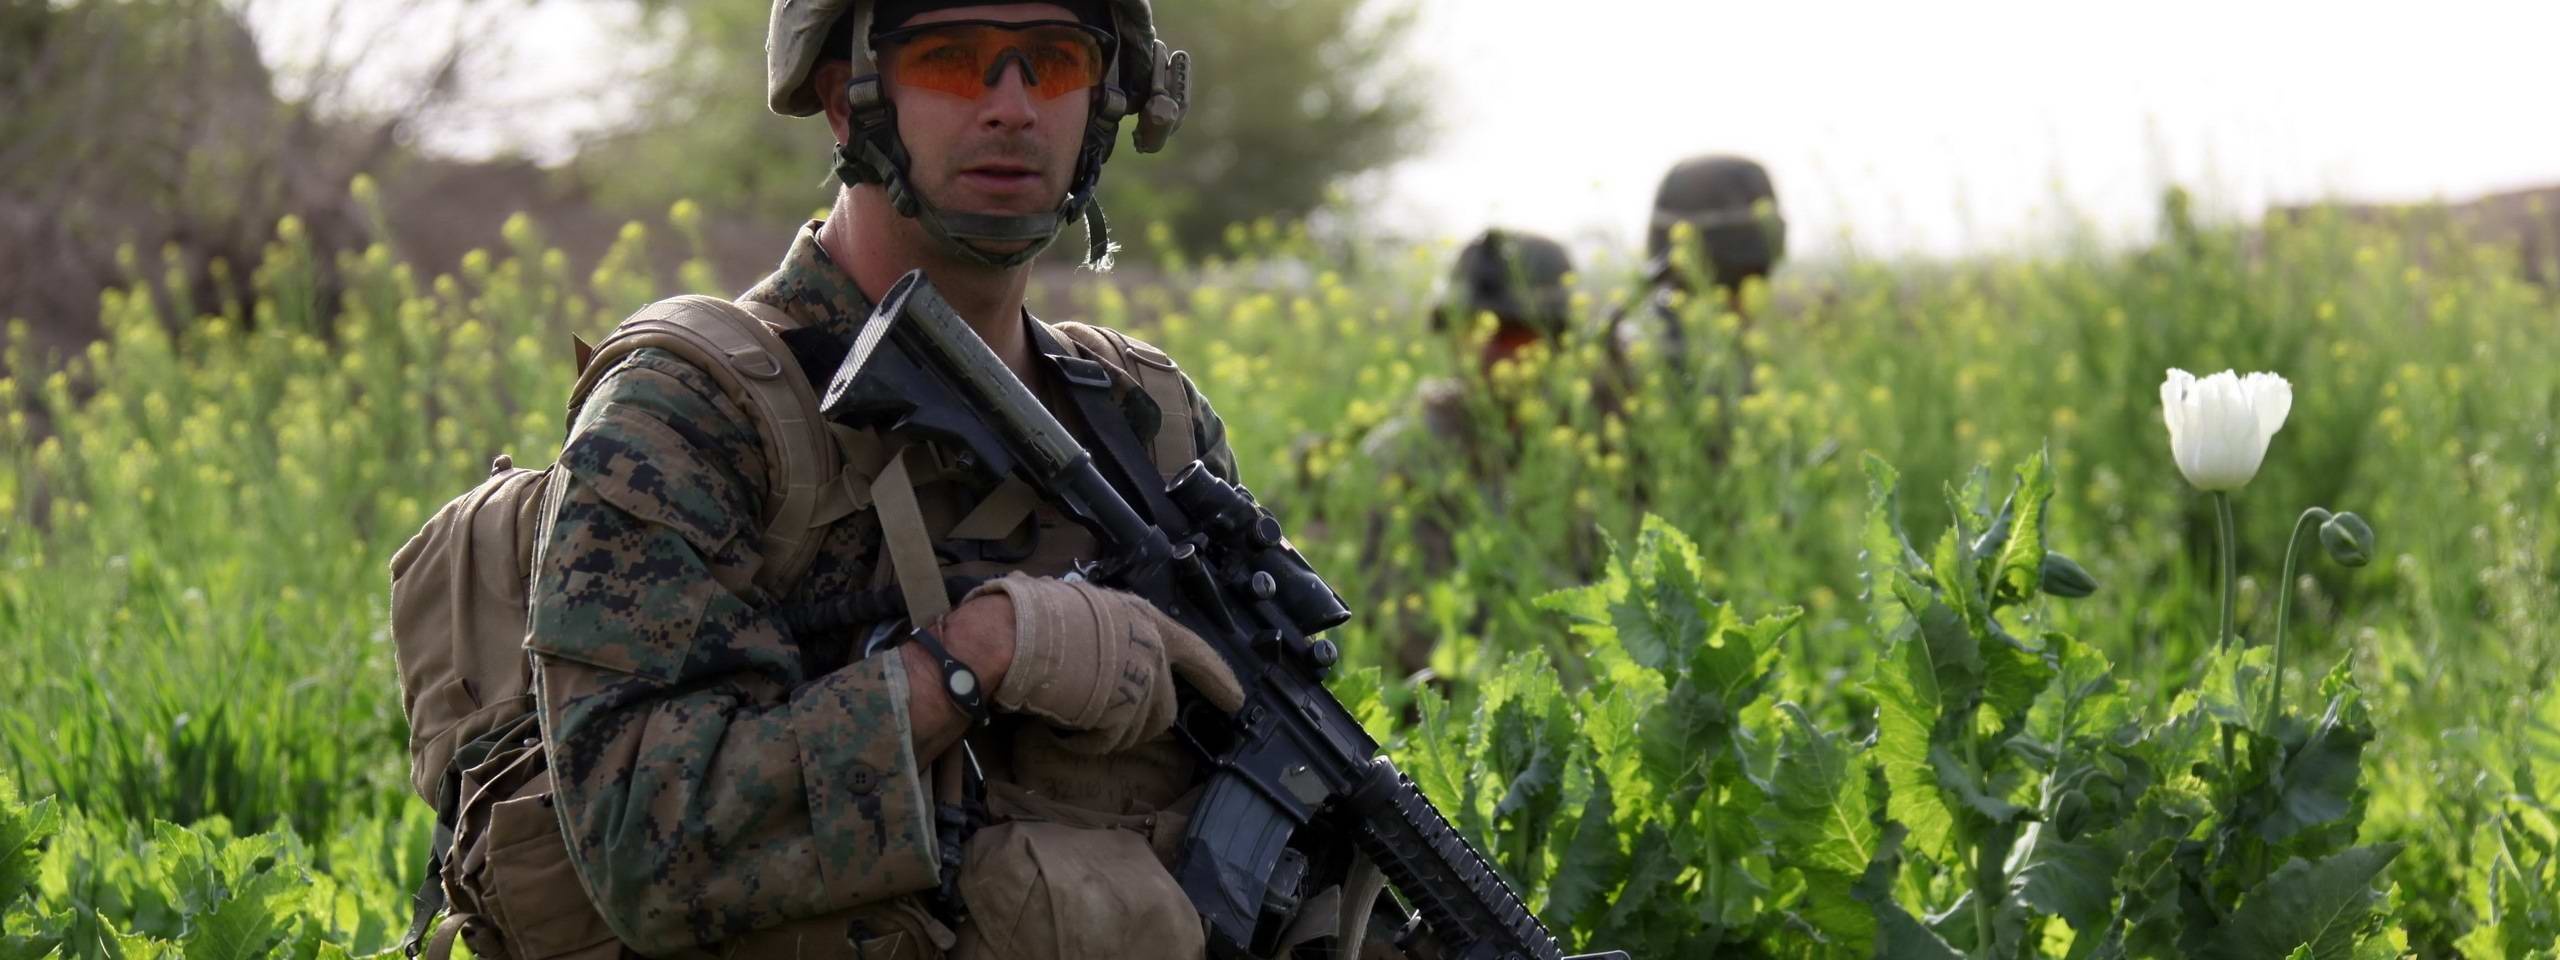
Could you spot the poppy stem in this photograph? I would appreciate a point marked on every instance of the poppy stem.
(2284, 604)
(2222, 526)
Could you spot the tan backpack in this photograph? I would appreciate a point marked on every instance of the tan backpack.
(459, 595)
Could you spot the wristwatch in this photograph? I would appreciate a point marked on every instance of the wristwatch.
(962, 683)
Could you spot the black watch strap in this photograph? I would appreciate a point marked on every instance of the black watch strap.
(967, 690)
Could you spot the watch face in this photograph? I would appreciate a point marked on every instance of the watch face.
(964, 682)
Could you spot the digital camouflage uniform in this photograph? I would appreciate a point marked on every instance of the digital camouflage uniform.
(715, 775)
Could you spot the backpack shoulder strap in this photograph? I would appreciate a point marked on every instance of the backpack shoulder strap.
(1174, 445)
(739, 346)
(1127, 466)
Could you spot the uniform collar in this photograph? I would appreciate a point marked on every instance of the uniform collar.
(820, 295)
(812, 289)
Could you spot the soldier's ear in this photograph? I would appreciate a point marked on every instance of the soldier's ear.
(829, 80)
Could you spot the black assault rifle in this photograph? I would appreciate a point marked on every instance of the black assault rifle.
(1295, 786)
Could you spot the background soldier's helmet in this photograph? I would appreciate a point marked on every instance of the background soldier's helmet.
(1144, 78)
(1518, 277)
(1734, 209)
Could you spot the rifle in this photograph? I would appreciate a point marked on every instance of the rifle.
(1295, 786)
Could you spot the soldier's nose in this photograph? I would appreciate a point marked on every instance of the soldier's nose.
(1008, 102)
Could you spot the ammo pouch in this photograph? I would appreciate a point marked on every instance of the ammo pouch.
(1050, 881)
(514, 893)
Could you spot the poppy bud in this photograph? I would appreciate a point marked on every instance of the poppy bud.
(2061, 577)
(2349, 539)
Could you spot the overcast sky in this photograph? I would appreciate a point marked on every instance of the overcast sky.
(1944, 127)
(1931, 127)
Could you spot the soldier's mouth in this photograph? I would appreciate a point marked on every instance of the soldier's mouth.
(1000, 177)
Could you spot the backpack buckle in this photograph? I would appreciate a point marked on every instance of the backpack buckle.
(1083, 372)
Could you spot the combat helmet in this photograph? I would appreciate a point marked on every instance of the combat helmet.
(1722, 198)
(1517, 277)
(1143, 78)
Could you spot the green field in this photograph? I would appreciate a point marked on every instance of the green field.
(1769, 730)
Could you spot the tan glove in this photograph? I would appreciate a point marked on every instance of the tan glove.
(1102, 662)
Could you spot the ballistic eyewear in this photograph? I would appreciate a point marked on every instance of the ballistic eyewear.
(967, 58)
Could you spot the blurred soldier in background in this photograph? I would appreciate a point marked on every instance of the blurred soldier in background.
(1715, 229)
(1516, 280)
(1730, 212)
(1505, 293)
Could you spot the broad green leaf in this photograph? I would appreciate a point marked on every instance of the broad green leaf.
(2011, 678)
(1639, 632)
(2323, 904)
(247, 924)
(24, 828)
(1954, 655)
(1837, 917)
(1905, 689)
(26, 934)
(135, 946)
(2320, 777)
(190, 863)
(1986, 545)
(2176, 746)
(1588, 606)
(1532, 737)
(1967, 786)
(1736, 660)
(1958, 587)
(259, 886)
(1363, 694)
(1654, 866)
(1436, 758)
(1592, 861)
(1901, 936)
(2074, 880)
(1729, 892)
(2084, 697)
(1820, 805)
(2021, 556)
(1884, 553)
(2234, 690)
(1969, 505)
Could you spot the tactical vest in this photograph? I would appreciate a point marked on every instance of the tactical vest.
(500, 871)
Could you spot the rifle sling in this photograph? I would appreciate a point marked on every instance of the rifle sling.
(1124, 462)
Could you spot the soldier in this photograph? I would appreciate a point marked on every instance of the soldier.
(1729, 205)
(1518, 280)
(1454, 425)
(731, 784)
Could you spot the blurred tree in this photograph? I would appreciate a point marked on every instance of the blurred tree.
(159, 123)
(1289, 98)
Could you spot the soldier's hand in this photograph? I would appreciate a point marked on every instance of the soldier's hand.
(1101, 662)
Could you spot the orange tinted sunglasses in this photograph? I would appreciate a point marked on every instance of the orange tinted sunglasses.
(966, 58)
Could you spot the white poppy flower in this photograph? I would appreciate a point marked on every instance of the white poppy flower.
(2219, 426)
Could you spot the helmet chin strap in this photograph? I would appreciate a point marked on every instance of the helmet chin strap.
(963, 234)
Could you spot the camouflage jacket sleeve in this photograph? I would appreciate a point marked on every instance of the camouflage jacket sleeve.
(707, 787)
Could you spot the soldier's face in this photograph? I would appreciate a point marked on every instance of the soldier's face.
(1008, 150)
